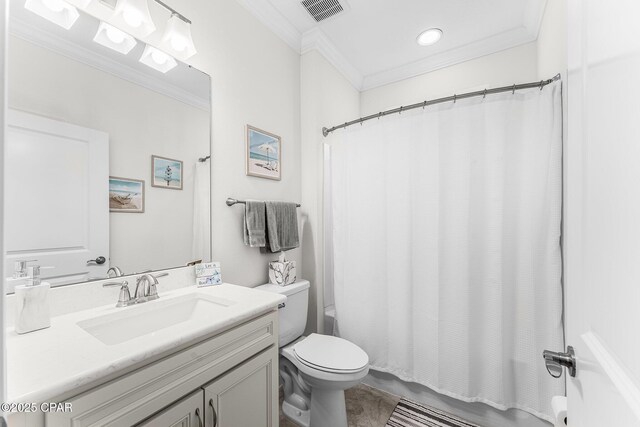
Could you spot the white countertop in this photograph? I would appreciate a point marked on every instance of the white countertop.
(52, 362)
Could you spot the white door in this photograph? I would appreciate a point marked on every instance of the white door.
(602, 233)
(56, 197)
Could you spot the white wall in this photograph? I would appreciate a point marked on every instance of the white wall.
(140, 123)
(515, 65)
(327, 97)
(256, 80)
(552, 40)
(4, 15)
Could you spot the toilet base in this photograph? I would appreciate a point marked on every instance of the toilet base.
(328, 408)
(301, 418)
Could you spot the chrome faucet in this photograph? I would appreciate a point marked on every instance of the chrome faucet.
(145, 290)
(116, 270)
(146, 287)
(20, 268)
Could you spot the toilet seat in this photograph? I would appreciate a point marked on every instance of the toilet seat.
(330, 354)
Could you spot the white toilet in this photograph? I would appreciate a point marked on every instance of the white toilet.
(315, 370)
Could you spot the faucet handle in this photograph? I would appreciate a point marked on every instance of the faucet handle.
(124, 299)
(153, 291)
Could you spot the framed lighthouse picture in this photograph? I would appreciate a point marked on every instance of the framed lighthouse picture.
(166, 173)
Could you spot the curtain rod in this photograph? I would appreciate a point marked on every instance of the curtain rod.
(541, 84)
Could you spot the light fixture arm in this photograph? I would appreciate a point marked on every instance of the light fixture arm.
(173, 11)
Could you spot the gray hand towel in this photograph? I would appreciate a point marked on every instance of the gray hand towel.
(254, 224)
(282, 226)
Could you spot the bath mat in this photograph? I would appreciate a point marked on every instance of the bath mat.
(411, 414)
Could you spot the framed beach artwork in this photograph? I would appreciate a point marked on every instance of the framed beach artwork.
(126, 195)
(264, 156)
(166, 173)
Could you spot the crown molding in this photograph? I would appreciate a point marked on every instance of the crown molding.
(272, 19)
(315, 39)
(533, 15)
(69, 49)
(497, 43)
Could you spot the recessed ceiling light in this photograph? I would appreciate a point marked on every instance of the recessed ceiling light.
(429, 37)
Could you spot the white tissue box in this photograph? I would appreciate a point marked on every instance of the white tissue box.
(282, 273)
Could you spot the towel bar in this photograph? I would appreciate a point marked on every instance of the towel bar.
(231, 202)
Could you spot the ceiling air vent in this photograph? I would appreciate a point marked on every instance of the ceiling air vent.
(322, 9)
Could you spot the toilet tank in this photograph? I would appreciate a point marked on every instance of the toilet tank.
(292, 318)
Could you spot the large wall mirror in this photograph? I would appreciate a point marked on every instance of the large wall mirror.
(107, 158)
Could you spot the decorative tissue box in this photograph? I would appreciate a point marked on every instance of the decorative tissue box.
(282, 272)
(208, 273)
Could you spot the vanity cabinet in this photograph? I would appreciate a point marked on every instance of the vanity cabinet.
(228, 380)
(184, 413)
(244, 396)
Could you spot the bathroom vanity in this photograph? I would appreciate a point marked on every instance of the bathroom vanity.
(196, 356)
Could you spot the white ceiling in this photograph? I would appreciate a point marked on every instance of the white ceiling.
(373, 41)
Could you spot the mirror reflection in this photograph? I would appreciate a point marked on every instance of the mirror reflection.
(107, 169)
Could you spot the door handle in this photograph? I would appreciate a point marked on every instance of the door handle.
(100, 260)
(214, 421)
(198, 417)
(555, 361)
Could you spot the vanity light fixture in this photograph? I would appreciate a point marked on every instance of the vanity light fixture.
(177, 37)
(157, 59)
(134, 15)
(114, 38)
(57, 11)
(429, 37)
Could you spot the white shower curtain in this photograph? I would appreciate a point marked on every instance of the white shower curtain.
(201, 212)
(446, 230)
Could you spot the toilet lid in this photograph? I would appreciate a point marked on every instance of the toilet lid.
(331, 353)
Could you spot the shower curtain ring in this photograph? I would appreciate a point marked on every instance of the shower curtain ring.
(424, 105)
(484, 95)
(401, 107)
(361, 121)
(513, 90)
(379, 115)
(541, 84)
(455, 98)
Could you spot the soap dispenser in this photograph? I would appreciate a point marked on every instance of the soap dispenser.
(32, 303)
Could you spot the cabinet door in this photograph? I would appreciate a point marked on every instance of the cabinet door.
(184, 413)
(245, 396)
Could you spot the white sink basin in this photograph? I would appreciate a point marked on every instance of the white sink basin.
(150, 317)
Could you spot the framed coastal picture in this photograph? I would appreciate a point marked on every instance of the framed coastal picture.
(264, 156)
(126, 195)
(167, 173)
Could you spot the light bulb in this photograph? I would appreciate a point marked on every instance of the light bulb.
(54, 5)
(178, 43)
(115, 35)
(159, 57)
(132, 18)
